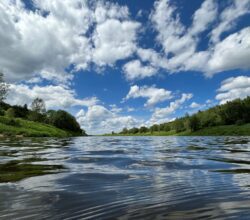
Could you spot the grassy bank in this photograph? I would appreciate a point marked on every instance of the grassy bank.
(225, 130)
(17, 126)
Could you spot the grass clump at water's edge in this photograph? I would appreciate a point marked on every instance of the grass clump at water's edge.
(17, 126)
(224, 130)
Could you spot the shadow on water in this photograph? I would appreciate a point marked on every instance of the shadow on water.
(125, 178)
(17, 170)
(23, 158)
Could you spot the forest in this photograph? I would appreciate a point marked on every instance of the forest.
(236, 112)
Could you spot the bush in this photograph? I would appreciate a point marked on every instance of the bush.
(9, 121)
(10, 113)
(35, 116)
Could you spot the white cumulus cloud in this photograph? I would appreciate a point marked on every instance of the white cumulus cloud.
(180, 43)
(161, 114)
(135, 70)
(99, 120)
(233, 88)
(152, 94)
(62, 34)
(55, 96)
(229, 16)
(114, 40)
(195, 105)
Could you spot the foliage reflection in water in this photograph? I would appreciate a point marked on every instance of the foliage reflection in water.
(125, 177)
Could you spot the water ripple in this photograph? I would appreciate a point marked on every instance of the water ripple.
(125, 178)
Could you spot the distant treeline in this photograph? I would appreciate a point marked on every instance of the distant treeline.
(236, 112)
(60, 119)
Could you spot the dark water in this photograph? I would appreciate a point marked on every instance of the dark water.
(125, 178)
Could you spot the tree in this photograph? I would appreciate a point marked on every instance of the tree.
(84, 132)
(154, 127)
(143, 129)
(167, 127)
(64, 120)
(178, 125)
(124, 131)
(38, 105)
(134, 131)
(194, 123)
(4, 87)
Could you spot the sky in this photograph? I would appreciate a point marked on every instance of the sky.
(115, 64)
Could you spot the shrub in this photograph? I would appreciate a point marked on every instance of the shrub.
(35, 116)
(10, 113)
(9, 121)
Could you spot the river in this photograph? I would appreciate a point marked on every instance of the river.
(125, 178)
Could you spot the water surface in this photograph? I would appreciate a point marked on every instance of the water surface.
(125, 178)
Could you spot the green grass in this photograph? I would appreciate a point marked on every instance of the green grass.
(225, 130)
(17, 126)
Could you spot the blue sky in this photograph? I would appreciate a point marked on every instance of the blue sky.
(116, 64)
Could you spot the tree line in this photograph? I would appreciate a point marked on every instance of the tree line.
(236, 112)
(37, 112)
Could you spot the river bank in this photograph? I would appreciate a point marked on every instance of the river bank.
(224, 130)
(16, 127)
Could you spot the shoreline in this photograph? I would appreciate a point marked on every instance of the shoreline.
(223, 130)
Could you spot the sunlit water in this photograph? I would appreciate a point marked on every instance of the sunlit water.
(126, 178)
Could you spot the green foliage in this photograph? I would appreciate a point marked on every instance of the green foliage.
(64, 120)
(10, 113)
(62, 124)
(166, 127)
(236, 112)
(154, 127)
(124, 131)
(12, 127)
(21, 111)
(134, 130)
(223, 130)
(194, 123)
(4, 106)
(143, 129)
(178, 125)
(9, 121)
(36, 116)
